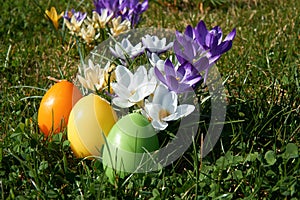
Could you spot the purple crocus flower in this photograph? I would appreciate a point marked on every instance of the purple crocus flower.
(74, 20)
(79, 16)
(211, 40)
(127, 9)
(200, 47)
(132, 9)
(189, 51)
(111, 5)
(179, 80)
(68, 15)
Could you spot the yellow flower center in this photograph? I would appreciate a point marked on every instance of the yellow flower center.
(163, 113)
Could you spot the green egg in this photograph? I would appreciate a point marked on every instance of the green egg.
(129, 145)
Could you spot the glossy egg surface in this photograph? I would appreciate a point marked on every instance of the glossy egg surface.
(129, 145)
(90, 122)
(56, 105)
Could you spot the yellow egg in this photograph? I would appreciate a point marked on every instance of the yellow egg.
(90, 121)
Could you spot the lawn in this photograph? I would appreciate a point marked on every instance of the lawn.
(257, 155)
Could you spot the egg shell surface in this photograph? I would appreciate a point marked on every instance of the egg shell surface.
(124, 150)
(56, 105)
(90, 122)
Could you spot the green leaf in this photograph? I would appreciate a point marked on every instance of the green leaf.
(57, 138)
(155, 192)
(52, 194)
(270, 173)
(291, 151)
(270, 157)
(225, 196)
(1, 154)
(44, 165)
(66, 144)
(252, 157)
(285, 79)
(237, 175)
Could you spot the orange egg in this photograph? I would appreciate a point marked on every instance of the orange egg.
(56, 105)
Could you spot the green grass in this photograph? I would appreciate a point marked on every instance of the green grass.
(257, 156)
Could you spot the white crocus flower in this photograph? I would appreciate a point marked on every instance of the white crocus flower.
(101, 20)
(131, 88)
(119, 26)
(157, 62)
(88, 33)
(74, 25)
(93, 76)
(164, 108)
(155, 45)
(126, 49)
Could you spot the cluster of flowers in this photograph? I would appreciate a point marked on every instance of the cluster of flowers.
(109, 17)
(155, 90)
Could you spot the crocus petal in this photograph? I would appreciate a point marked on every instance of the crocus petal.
(169, 101)
(144, 6)
(155, 45)
(157, 62)
(189, 31)
(125, 49)
(151, 75)
(159, 94)
(206, 72)
(160, 76)
(178, 52)
(231, 35)
(153, 110)
(142, 91)
(172, 83)
(202, 64)
(140, 76)
(192, 80)
(159, 125)
(83, 82)
(113, 52)
(120, 90)
(148, 41)
(213, 59)
(169, 68)
(222, 48)
(200, 32)
(217, 33)
(183, 87)
(91, 75)
(154, 58)
(182, 111)
(123, 75)
(122, 103)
